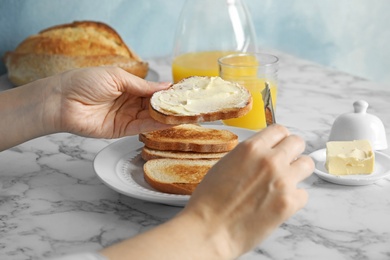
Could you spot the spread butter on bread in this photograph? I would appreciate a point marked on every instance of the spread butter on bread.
(200, 99)
(176, 176)
(69, 46)
(190, 138)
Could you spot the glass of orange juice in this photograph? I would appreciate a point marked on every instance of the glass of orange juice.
(253, 71)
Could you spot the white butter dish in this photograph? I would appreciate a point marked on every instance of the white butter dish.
(359, 125)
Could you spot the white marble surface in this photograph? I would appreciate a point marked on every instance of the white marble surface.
(52, 202)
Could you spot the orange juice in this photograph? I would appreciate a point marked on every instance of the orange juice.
(255, 119)
(197, 64)
(251, 71)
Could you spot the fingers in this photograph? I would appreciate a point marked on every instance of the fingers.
(134, 85)
(290, 148)
(298, 171)
(280, 141)
(302, 168)
(154, 87)
(270, 136)
(285, 150)
(277, 140)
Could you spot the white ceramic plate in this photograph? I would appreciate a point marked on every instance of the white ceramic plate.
(381, 170)
(120, 167)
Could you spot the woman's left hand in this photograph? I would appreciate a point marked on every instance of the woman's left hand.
(105, 102)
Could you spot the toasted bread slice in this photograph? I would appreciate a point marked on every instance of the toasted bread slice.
(200, 99)
(190, 137)
(150, 154)
(68, 46)
(176, 176)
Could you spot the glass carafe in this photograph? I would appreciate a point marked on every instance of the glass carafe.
(208, 30)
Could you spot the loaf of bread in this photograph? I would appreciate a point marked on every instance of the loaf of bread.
(68, 46)
(200, 99)
(176, 176)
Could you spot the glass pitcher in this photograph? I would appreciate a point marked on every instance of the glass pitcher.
(208, 30)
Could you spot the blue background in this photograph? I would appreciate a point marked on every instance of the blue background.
(351, 36)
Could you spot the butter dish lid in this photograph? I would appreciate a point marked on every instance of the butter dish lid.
(359, 125)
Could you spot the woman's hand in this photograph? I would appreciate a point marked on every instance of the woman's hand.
(242, 199)
(252, 190)
(104, 102)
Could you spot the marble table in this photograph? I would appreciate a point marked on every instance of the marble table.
(53, 203)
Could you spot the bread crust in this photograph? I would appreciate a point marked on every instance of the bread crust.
(79, 38)
(68, 46)
(27, 67)
(172, 188)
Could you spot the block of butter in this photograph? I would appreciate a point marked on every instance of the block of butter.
(349, 157)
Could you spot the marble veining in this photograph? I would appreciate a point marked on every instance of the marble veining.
(52, 202)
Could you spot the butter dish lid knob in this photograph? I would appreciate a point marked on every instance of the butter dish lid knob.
(359, 125)
(360, 106)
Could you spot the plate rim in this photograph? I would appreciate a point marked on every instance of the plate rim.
(349, 180)
(103, 167)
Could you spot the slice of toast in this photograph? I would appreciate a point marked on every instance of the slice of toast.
(190, 137)
(200, 99)
(176, 176)
(150, 154)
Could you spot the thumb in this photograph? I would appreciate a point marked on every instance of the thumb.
(134, 85)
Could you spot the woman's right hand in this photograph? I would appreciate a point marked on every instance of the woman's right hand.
(252, 190)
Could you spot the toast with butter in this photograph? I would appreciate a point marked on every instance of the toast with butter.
(200, 99)
(176, 176)
(190, 138)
